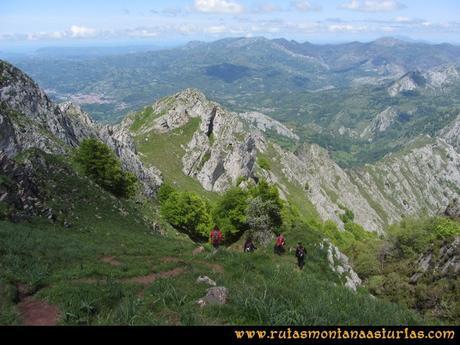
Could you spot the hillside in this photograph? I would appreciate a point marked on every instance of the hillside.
(219, 149)
(73, 253)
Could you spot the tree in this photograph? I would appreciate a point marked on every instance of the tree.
(100, 164)
(230, 213)
(260, 218)
(188, 213)
(270, 199)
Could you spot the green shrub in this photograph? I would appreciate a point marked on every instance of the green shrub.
(188, 213)
(263, 162)
(348, 216)
(164, 192)
(230, 213)
(101, 165)
(446, 228)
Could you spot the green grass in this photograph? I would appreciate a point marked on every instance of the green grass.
(64, 267)
(165, 152)
(54, 262)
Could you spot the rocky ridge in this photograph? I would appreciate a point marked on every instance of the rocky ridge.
(28, 119)
(224, 150)
(433, 80)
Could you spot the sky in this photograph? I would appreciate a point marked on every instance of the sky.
(30, 24)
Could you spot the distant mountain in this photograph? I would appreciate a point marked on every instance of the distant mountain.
(91, 52)
(331, 95)
(78, 244)
(251, 69)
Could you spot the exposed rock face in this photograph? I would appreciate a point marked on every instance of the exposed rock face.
(18, 189)
(33, 120)
(264, 123)
(434, 80)
(395, 182)
(225, 148)
(217, 163)
(340, 265)
(381, 123)
(453, 209)
(220, 151)
(409, 82)
(445, 263)
(28, 119)
(442, 76)
(452, 134)
(328, 186)
(121, 142)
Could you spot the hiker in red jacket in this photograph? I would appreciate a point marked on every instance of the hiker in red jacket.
(216, 237)
(279, 245)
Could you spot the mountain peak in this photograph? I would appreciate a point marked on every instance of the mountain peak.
(388, 42)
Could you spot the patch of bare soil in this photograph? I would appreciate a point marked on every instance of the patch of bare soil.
(111, 261)
(148, 279)
(38, 313)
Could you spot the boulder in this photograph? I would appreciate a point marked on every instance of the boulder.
(214, 296)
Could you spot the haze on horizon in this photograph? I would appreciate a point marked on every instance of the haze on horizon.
(26, 25)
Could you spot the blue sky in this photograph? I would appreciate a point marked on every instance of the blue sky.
(32, 23)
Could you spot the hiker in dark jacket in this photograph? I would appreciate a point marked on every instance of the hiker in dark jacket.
(300, 255)
(249, 246)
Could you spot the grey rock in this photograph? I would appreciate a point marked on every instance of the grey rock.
(214, 296)
(339, 263)
(28, 119)
(206, 280)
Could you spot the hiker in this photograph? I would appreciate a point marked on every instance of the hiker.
(216, 237)
(249, 246)
(279, 245)
(300, 255)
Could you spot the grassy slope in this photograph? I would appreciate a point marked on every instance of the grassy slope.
(165, 151)
(63, 266)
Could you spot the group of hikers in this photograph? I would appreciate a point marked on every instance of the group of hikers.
(217, 237)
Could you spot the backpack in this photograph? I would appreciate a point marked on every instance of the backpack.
(301, 252)
(280, 241)
(215, 236)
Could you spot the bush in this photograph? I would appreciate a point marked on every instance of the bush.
(230, 213)
(269, 195)
(164, 192)
(348, 216)
(188, 213)
(100, 164)
(263, 163)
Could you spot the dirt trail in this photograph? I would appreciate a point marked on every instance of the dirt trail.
(217, 268)
(111, 260)
(34, 312)
(148, 279)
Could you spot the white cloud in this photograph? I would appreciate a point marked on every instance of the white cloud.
(402, 19)
(218, 6)
(348, 28)
(372, 5)
(81, 31)
(267, 8)
(305, 6)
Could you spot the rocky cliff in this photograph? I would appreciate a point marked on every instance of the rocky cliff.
(434, 80)
(28, 119)
(225, 147)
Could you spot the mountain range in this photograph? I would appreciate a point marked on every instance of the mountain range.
(356, 138)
